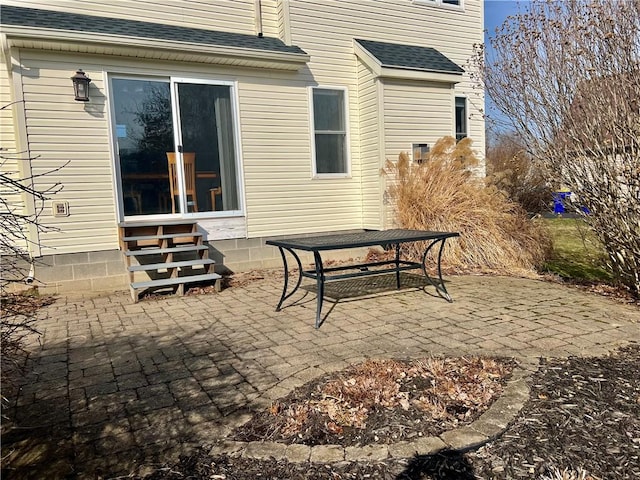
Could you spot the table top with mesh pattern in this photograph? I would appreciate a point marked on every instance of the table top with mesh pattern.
(359, 239)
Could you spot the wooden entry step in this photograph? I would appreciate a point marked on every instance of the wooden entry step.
(165, 250)
(171, 253)
(180, 282)
(160, 266)
(164, 236)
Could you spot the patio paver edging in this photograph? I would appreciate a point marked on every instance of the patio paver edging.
(490, 425)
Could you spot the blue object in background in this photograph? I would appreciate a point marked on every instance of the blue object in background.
(558, 201)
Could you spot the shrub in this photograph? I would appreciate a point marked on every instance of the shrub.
(511, 169)
(565, 76)
(442, 194)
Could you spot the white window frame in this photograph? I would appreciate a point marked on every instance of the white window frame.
(172, 80)
(235, 102)
(440, 4)
(455, 116)
(314, 171)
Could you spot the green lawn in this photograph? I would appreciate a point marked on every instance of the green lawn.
(577, 254)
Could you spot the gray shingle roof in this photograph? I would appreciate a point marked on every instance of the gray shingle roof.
(395, 55)
(32, 17)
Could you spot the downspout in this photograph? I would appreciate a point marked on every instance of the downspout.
(258, 7)
(31, 276)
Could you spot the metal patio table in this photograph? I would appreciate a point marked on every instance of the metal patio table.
(385, 238)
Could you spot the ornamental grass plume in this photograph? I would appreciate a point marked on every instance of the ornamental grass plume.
(443, 194)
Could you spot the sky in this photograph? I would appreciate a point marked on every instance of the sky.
(495, 13)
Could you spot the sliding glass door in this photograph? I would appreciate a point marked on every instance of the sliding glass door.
(176, 147)
(208, 141)
(144, 133)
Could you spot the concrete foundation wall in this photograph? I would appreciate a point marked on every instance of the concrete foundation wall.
(106, 271)
(81, 272)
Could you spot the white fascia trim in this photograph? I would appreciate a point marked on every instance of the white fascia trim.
(16, 34)
(423, 75)
(6, 52)
(405, 73)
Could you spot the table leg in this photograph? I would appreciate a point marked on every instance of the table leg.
(284, 295)
(320, 284)
(398, 266)
(440, 287)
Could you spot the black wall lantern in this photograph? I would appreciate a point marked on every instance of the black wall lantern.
(81, 86)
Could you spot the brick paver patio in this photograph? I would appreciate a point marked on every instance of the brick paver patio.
(117, 387)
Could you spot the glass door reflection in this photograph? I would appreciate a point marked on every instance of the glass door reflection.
(144, 133)
(207, 140)
(164, 169)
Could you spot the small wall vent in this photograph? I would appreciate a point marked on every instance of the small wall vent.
(60, 209)
(420, 152)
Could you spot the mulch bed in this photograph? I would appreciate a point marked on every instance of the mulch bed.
(617, 293)
(582, 413)
(582, 418)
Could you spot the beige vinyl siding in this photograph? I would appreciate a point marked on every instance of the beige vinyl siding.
(71, 142)
(368, 95)
(314, 22)
(325, 29)
(415, 112)
(224, 15)
(9, 163)
(284, 29)
(270, 20)
(14, 163)
(281, 196)
(7, 134)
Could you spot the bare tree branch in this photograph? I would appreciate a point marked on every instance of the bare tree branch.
(566, 75)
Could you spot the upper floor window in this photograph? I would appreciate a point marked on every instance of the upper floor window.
(461, 118)
(452, 3)
(330, 131)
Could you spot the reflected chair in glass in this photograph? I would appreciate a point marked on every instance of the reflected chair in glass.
(189, 161)
(213, 192)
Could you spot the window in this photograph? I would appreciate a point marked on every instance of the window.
(446, 3)
(420, 152)
(330, 131)
(461, 118)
